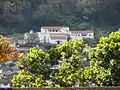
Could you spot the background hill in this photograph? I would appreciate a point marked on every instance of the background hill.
(18, 16)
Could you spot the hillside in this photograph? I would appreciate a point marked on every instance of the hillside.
(23, 15)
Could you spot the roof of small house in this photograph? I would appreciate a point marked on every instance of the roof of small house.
(82, 32)
(58, 33)
(53, 27)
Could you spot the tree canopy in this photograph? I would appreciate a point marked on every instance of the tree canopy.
(23, 15)
(7, 50)
(72, 63)
(68, 59)
(105, 62)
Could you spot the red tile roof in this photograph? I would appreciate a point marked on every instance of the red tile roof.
(58, 34)
(82, 32)
(53, 27)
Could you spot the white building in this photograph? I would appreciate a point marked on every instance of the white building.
(55, 29)
(31, 37)
(82, 34)
(57, 38)
(53, 34)
(60, 34)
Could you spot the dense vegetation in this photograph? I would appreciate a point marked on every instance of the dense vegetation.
(7, 50)
(77, 65)
(23, 15)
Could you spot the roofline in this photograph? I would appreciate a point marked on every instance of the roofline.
(54, 26)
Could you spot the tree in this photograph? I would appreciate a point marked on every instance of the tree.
(35, 69)
(7, 50)
(36, 62)
(27, 80)
(72, 60)
(105, 62)
(21, 15)
(70, 48)
(36, 66)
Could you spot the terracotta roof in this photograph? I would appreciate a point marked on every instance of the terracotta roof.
(58, 34)
(58, 37)
(53, 27)
(82, 32)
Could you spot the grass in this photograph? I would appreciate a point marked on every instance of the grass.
(19, 36)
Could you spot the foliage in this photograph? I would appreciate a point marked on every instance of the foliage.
(70, 56)
(35, 69)
(68, 48)
(104, 65)
(73, 68)
(7, 50)
(23, 15)
(36, 62)
(36, 66)
(16, 36)
(25, 80)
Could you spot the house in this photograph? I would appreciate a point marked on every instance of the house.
(77, 34)
(57, 38)
(55, 29)
(31, 37)
(53, 34)
(43, 37)
(58, 34)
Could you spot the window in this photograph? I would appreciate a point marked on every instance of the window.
(58, 42)
(83, 35)
(90, 35)
(45, 30)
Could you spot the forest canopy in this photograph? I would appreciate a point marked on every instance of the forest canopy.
(23, 15)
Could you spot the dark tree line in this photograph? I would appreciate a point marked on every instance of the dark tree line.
(23, 15)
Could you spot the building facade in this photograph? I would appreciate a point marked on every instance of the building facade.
(60, 34)
(78, 34)
(53, 34)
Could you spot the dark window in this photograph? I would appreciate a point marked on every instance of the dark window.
(83, 35)
(58, 42)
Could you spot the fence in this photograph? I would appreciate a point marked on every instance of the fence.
(81, 88)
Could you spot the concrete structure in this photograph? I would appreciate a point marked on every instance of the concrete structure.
(60, 34)
(56, 38)
(53, 34)
(49, 29)
(82, 34)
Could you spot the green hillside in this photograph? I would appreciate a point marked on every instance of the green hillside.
(23, 15)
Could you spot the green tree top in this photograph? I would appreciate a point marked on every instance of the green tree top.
(105, 61)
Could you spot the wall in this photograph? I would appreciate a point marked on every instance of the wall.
(81, 88)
